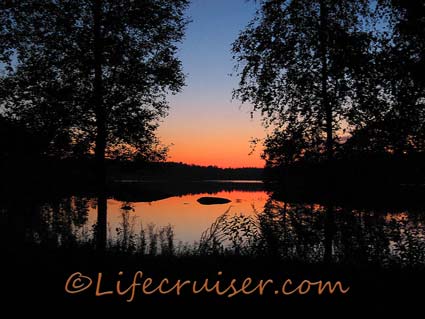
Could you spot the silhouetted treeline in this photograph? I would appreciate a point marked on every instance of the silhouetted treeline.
(329, 75)
(20, 169)
(365, 179)
(171, 171)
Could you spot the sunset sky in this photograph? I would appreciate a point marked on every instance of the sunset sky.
(204, 125)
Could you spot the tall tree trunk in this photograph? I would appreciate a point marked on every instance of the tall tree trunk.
(100, 129)
(98, 95)
(327, 107)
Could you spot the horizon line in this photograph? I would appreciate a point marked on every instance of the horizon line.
(213, 165)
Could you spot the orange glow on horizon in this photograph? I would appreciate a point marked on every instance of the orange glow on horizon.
(206, 138)
(234, 164)
(233, 156)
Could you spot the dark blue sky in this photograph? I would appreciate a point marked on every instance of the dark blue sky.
(206, 51)
(204, 125)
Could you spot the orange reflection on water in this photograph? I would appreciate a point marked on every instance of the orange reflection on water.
(188, 218)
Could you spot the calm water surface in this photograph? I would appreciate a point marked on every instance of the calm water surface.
(139, 214)
(187, 217)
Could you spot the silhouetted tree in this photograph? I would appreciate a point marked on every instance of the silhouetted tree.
(93, 74)
(391, 85)
(295, 59)
(410, 43)
(6, 39)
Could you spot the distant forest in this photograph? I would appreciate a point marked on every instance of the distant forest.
(171, 170)
(82, 171)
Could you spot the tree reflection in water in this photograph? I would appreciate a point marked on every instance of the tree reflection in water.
(307, 233)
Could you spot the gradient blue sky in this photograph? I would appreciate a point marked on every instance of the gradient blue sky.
(204, 125)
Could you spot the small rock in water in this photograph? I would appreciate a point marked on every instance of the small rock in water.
(213, 200)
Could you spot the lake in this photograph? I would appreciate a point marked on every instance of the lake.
(184, 213)
(163, 217)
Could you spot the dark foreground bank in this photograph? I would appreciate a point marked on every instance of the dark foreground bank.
(85, 281)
